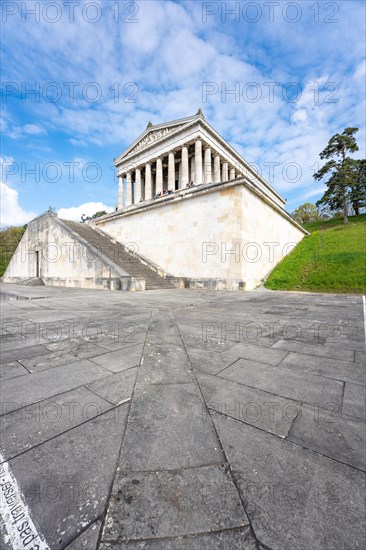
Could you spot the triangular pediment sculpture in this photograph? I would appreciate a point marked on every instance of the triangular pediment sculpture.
(152, 137)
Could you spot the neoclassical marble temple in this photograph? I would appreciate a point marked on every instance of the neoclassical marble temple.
(169, 157)
(190, 209)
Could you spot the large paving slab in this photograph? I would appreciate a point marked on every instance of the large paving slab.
(88, 540)
(122, 359)
(187, 505)
(256, 407)
(257, 353)
(354, 400)
(231, 539)
(166, 430)
(339, 437)
(30, 426)
(116, 388)
(318, 350)
(295, 385)
(22, 391)
(62, 357)
(23, 353)
(323, 366)
(295, 498)
(12, 370)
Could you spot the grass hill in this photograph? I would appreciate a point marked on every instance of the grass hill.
(9, 239)
(331, 259)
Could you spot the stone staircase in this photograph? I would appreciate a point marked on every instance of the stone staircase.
(120, 256)
(34, 281)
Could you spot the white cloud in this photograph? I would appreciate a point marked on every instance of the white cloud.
(15, 131)
(33, 129)
(88, 208)
(11, 213)
(77, 142)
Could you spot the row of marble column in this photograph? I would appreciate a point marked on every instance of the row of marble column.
(202, 171)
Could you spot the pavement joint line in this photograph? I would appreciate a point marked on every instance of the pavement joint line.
(266, 391)
(117, 349)
(227, 366)
(294, 419)
(13, 507)
(289, 368)
(24, 367)
(174, 470)
(342, 397)
(83, 531)
(187, 536)
(77, 360)
(56, 395)
(285, 438)
(115, 470)
(113, 407)
(313, 354)
(112, 371)
(104, 398)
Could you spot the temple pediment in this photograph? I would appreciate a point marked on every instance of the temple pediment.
(152, 137)
(155, 133)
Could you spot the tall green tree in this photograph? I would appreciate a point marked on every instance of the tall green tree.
(358, 191)
(339, 170)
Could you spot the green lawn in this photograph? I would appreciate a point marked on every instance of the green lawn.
(331, 259)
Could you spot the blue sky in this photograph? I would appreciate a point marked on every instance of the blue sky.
(101, 70)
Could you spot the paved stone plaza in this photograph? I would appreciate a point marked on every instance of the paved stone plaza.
(178, 419)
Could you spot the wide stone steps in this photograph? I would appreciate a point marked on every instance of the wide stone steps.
(120, 256)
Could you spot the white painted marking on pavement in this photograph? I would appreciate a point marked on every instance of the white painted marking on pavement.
(364, 316)
(17, 525)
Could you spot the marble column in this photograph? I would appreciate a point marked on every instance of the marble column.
(208, 165)
(192, 175)
(148, 181)
(128, 189)
(232, 173)
(171, 171)
(198, 161)
(184, 172)
(137, 194)
(120, 192)
(225, 171)
(217, 171)
(159, 176)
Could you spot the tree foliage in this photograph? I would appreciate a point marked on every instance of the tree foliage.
(340, 171)
(9, 240)
(306, 213)
(357, 194)
(99, 213)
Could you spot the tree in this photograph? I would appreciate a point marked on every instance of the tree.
(306, 213)
(339, 169)
(358, 191)
(99, 213)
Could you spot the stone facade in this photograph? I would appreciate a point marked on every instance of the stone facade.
(50, 250)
